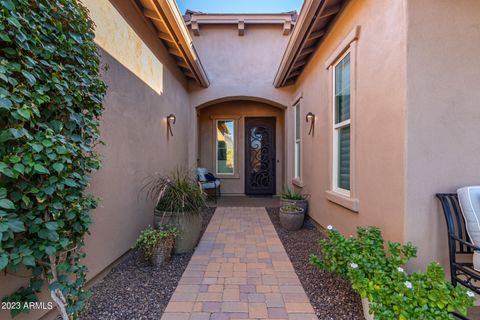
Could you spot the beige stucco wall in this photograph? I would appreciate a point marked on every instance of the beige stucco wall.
(238, 110)
(240, 66)
(379, 122)
(144, 86)
(443, 132)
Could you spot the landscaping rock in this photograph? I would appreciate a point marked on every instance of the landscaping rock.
(134, 289)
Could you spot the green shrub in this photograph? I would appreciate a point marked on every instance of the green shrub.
(178, 192)
(377, 274)
(50, 101)
(150, 238)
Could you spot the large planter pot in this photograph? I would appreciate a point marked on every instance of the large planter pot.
(298, 203)
(366, 307)
(163, 252)
(291, 220)
(188, 224)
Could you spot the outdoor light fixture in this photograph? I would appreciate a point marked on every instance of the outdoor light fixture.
(310, 117)
(171, 119)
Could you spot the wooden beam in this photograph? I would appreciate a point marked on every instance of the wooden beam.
(316, 34)
(241, 27)
(175, 52)
(195, 28)
(152, 15)
(287, 27)
(189, 73)
(181, 63)
(299, 64)
(330, 11)
(307, 51)
(165, 36)
(294, 74)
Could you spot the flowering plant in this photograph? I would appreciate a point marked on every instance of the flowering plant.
(377, 274)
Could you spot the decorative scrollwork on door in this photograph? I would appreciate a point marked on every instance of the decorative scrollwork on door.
(260, 155)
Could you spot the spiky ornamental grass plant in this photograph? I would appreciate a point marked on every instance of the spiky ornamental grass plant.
(177, 192)
(50, 101)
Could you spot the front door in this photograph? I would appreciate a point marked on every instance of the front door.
(260, 156)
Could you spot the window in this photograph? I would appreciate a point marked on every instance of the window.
(298, 144)
(225, 147)
(341, 125)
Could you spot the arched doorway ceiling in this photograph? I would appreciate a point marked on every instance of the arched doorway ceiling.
(241, 98)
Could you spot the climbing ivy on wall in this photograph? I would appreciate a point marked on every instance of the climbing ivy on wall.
(50, 101)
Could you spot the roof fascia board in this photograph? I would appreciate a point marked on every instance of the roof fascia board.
(306, 15)
(176, 25)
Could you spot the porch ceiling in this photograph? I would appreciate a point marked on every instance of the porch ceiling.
(314, 21)
(165, 19)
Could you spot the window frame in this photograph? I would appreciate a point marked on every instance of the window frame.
(345, 198)
(297, 157)
(338, 126)
(235, 143)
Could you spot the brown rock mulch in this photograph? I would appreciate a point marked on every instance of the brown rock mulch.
(134, 289)
(331, 296)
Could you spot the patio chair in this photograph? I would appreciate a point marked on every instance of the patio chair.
(208, 183)
(460, 247)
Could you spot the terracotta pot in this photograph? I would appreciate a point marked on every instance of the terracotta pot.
(366, 307)
(163, 252)
(188, 224)
(291, 220)
(297, 203)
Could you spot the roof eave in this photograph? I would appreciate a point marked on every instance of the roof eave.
(175, 36)
(312, 11)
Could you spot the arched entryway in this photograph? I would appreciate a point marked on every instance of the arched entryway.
(241, 141)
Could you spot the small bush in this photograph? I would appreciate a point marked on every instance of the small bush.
(377, 274)
(150, 238)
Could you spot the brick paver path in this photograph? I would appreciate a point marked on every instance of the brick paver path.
(240, 270)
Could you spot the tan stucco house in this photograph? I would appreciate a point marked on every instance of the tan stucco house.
(369, 106)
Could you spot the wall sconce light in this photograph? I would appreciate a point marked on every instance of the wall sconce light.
(310, 117)
(171, 119)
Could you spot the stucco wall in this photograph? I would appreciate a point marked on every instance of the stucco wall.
(240, 65)
(443, 133)
(238, 110)
(144, 86)
(379, 122)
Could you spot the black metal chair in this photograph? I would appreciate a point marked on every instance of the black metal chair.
(459, 246)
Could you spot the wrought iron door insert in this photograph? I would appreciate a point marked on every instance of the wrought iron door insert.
(260, 156)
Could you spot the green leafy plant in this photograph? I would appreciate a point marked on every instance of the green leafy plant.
(50, 101)
(178, 192)
(291, 209)
(377, 274)
(290, 194)
(150, 238)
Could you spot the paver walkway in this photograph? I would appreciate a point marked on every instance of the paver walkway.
(240, 270)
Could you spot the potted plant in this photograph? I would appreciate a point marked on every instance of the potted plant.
(291, 217)
(179, 202)
(295, 198)
(387, 291)
(157, 244)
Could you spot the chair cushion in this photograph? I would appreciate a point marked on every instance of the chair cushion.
(201, 172)
(469, 199)
(211, 185)
(210, 177)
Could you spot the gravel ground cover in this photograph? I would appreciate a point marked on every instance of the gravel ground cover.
(134, 289)
(331, 297)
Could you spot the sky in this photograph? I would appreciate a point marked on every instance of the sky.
(240, 6)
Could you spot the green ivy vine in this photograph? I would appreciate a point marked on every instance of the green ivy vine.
(50, 102)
